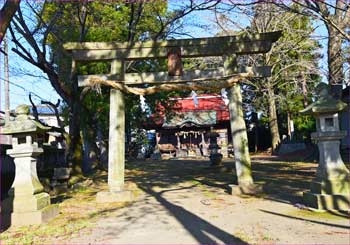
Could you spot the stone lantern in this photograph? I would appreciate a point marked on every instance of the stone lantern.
(330, 189)
(27, 202)
(215, 156)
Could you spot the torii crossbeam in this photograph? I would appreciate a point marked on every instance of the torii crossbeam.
(228, 77)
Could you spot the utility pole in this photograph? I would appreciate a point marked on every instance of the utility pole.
(7, 81)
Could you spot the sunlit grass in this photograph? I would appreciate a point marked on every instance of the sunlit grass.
(78, 215)
(321, 215)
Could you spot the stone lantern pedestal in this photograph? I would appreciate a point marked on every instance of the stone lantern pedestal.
(330, 189)
(27, 202)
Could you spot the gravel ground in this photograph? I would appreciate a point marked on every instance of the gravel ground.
(185, 202)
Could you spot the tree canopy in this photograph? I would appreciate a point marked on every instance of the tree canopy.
(294, 58)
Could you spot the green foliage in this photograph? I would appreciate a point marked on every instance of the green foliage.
(98, 21)
(293, 60)
(293, 103)
(305, 125)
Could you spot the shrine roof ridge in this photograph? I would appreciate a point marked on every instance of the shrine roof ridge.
(268, 36)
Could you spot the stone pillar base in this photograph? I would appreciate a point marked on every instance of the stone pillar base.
(126, 194)
(119, 196)
(26, 203)
(327, 202)
(28, 210)
(331, 187)
(329, 194)
(29, 218)
(35, 217)
(245, 189)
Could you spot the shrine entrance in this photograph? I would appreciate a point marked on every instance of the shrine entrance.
(228, 47)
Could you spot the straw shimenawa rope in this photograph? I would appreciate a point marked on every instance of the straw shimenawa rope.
(194, 84)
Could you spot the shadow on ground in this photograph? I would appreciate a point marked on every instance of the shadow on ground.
(167, 176)
(200, 229)
(281, 181)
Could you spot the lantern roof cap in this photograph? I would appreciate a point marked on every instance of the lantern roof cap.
(23, 123)
(325, 102)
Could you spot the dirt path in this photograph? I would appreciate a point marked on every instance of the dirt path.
(184, 202)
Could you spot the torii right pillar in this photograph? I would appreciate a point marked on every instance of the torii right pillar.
(239, 136)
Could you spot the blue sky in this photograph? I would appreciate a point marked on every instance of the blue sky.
(22, 84)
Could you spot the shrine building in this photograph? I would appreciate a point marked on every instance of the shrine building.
(184, 131)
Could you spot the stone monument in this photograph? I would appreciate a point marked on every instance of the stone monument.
(215, 156)
(59, 182)
(27, 202)
(330, 189)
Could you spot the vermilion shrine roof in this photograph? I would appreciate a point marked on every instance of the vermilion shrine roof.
(209, 105)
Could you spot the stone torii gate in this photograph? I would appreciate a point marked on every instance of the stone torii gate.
(118, 53)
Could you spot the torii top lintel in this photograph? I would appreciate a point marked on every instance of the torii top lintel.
(197, 47)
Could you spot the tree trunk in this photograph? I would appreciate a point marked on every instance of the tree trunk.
(102, 147)
(74, 156)
(256, 131)
(87, 163)
(90, 150)
(304, 91)
(6, 13)
(289, 125)
(335, 60)
(275, 135)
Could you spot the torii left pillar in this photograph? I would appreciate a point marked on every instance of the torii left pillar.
(239, 136)
(118, 190)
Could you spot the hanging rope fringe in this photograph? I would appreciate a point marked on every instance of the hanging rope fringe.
(224, 96)
(195, 98)
(95, 86)
(143, 103)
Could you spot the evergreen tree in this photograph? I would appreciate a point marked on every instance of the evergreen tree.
(293, 61)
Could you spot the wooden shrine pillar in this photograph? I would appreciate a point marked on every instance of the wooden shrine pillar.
(178, 141)
(118, 192)
(204, 146)
(239, 134)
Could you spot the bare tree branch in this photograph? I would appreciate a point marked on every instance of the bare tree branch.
(55, 108)
(35, 110)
